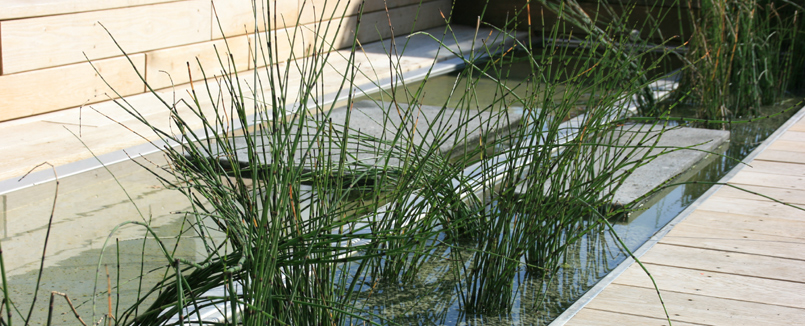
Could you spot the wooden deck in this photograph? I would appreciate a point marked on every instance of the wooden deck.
(737, 259)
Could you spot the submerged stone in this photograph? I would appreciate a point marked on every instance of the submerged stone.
(370, 136)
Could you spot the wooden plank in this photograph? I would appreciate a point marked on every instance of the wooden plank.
(793, 135)
(685, 307)
(596, 317)
(791, 196)
(329, 36)
(50, 41)
(46, 90)
(799, 126)
(286, 44)
(719, 285)
(787, 145)
(375, 26)
(747, 177)
(311, 11)
(745, 223)
(237, 17)
(727, 262)
(781, 156)
(15, 9)
(166, 65)
(748, 242)
(780, 168)
(752, 208)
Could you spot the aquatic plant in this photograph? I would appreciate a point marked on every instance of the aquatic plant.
(742, 55)
(316, 215)
(306, 218)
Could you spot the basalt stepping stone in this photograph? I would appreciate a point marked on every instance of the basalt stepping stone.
(381, 135)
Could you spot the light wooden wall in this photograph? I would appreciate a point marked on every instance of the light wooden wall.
(45, 44)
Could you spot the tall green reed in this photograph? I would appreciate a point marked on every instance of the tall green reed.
(317, 215)
(742, 55)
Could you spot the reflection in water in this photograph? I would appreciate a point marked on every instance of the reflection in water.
(88, 207)
(91, 204)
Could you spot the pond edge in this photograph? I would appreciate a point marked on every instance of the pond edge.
(593, 292)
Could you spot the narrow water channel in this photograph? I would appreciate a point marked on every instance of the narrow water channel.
(91, 204)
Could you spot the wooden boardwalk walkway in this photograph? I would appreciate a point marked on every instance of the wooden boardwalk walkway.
(737, 259)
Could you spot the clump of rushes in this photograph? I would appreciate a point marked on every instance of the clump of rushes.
(310, 233)
(556, 174)
(742, 55)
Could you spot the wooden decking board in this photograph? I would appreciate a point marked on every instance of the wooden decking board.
(769, 180)
(772, 226)
(799, 126)
(790, 196)
(777, 168)
(752, 207)
(700, 236)
(29, 46)
(685, 307)
(727, 262)
(719, 285)
(597, 317)
(793, 135)
(782, 156)
(787, 145)
(737, 259)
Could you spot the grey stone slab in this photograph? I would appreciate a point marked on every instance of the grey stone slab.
(379, 135)
(677, 150)
(672, 162)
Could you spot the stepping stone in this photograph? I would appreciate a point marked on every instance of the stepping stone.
(666, 166)
(673, 162)
(371, 145)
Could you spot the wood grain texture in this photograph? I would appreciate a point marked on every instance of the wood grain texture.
(15, 9)
(719, 285)
(771, 226)
(788, 145)
(749, 242)
(237, 17)
(752, 208)
(50, 41)
(329, 35)
(781, 156)
(286, 44)
(726, 262)
(793, 135)
(791, 196)
(166, 65)
(311, 11)
(780, 168)
(375, 26)
(686, 307)
(747, 177)
(46, 90)
(597, 317)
